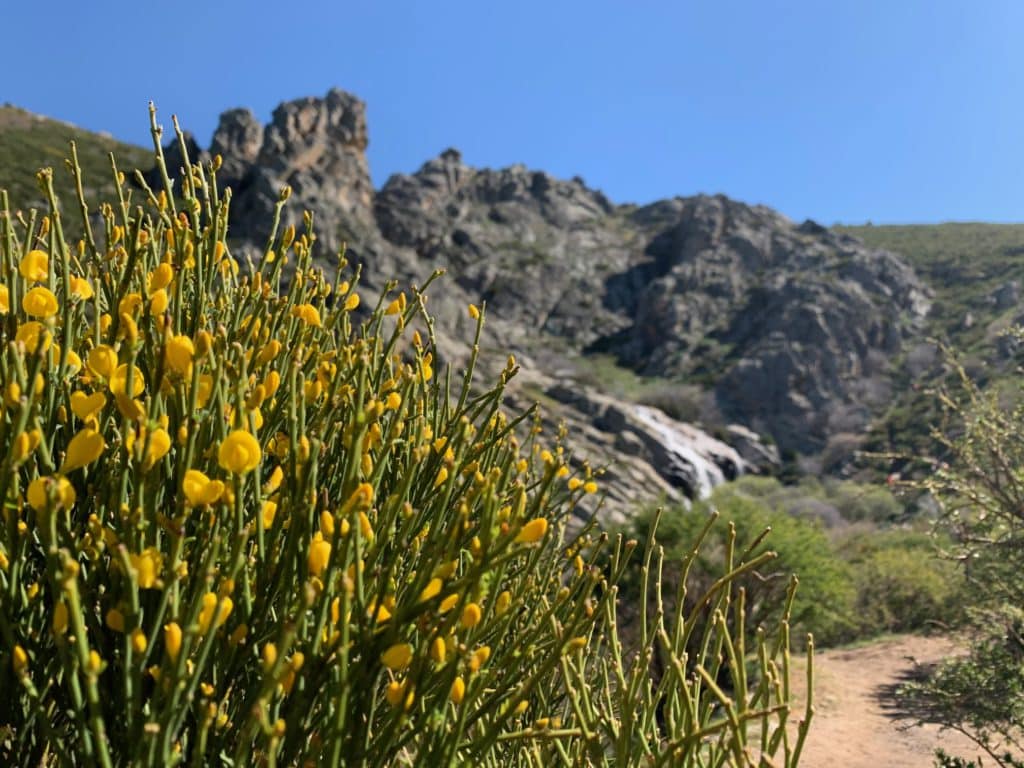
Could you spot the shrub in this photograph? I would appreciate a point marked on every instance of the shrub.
(824, 603)
(244, 526)
(901, 583)
(979, 489)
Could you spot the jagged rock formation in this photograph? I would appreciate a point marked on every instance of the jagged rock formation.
(793, 328)
(795, 325)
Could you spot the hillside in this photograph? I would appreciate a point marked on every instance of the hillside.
(681, 342)
(976, 273)
(29, 142)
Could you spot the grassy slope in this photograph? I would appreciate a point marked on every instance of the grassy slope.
(964, 264)
(29, 142)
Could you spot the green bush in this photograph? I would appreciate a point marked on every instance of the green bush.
(856, 581)
(980, 491)
(244, 525)
(825, 600)
(901, 583)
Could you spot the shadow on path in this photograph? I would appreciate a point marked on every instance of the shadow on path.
(906, 705)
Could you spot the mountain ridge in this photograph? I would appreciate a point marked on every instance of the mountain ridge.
(728, 314)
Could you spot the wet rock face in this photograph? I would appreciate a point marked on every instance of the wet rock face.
(686, 461)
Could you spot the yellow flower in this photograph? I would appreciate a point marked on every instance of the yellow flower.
(74, 362)
(272, 382)
(458, 690)
(160, 277)
(129, 408)
(24, 444)
(147, 567)
(12, 394)
(84, 448)
(35, 266)
(479, 658)
(129, 304)
(533, 531)
(365, 529)
(172, 640)
(269, 513)
(5, 300)
(395, 692)
(397, 657)
(199, 489)
(438, 650)
(32, 334)
(501, 605)
(159, 445)
(239, 453)
(474, 312)
(204, 390)
(39, 302)
(211, 608)
(273, 482)
(102, 361)
(139, 641)
(86, 406)
(39, 491)
(308, 314)
(119, 381)
(158, 302)
(352, 301)
(81, 288)
(319, 554)
(471, 615)
(60, 618)
(448, 603)
(432, 589)
(379, 613)
(115, 620)
(576, 644)
(19, 660)
(269, 352)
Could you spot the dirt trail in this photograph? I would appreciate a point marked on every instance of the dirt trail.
(857, 723)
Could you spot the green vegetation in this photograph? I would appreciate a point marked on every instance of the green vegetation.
(981, 492)
(243, 525)
(857, 580)
(965, 265)
(29, 142)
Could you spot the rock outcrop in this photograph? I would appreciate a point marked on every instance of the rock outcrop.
(318, 148)
(794, 329)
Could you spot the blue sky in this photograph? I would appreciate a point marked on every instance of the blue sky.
(838, 110)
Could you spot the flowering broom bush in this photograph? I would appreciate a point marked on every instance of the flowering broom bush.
(243, 526)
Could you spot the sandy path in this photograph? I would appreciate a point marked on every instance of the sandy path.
(855, 723)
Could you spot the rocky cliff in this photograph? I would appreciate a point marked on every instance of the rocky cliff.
(746, 321)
